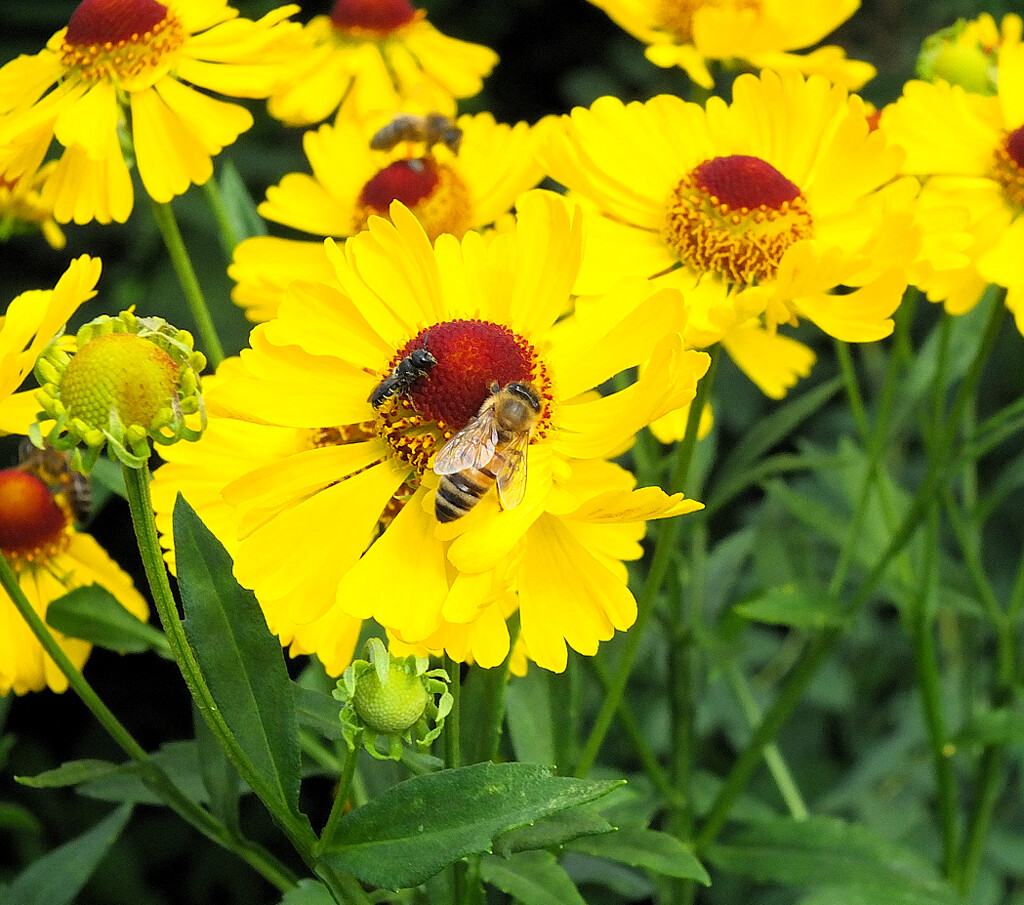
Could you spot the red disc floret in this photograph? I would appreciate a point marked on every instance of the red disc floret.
(1015, 146)
(113, 21)
(30, 518)
(374, 15)
(471, 356)
(408, 181)
(740, 180)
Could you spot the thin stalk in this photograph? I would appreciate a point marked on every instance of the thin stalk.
(453, 759)
(772, 755)
(153, 776)
(930, 685)
(853, 393)
(990, 782)
(664, 548)
(168, 225)
(228, 236)
(339, 803)
(137, 487)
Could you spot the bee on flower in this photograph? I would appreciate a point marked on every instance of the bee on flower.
(348, 525)
(127, 80)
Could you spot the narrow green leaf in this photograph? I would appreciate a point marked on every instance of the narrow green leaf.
(220, 779)
(993, 727)
(532, 878)
(56, 878)
(866, 893)
(94, 614)
(824, 850)
(242, 662)
(483, 713)
(637, 847)
(308, 892)
(528, 703)
(239, 206)
(179, 760)
(317, 711)
(792, 605)
(411, 831)
(70, 773)
(17, 820)
(557, 829)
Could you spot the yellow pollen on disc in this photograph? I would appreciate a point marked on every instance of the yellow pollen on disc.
(447, 208)
(1008, 167)
(743, 244)
(676, 16)
(128, 59)
(412, 437)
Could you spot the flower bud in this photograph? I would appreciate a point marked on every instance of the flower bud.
(956, 55)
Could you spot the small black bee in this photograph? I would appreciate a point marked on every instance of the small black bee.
(410, 369)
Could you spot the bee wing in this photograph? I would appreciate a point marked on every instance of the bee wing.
(471, 447)
(512, 475)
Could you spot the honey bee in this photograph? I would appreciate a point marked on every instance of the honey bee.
(53, 468)
(434, 129)
(490, 450)
(410, 369)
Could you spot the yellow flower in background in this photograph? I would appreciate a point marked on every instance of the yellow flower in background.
(23, 209)
(30, 322)
(370, 56)
(137, 62)
(323, 532)
(971, 149)
(449, 190)
(50, 558)
(763, 211)
(690, 33)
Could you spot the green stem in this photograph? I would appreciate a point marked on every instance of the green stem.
(340, 801)
(164, 216)
(927, 666)
(853, 392)
(452, 723)
(154, 777)
(137, 490)
(664, 550)
(772, 755)
(228, 236)
(990, 782)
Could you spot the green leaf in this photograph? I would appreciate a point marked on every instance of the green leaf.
(483, 709)
(94, 614)
(69, 774)
(552, 831)
(308, 892)
(220, 779)
(792, 605)
(56, 878)
(532, 878)
(317, 711)
(414, 829)
(637, 847)
(867, 893)
(528, 709)
(993, 727)
(179, 760)
(239, 206)
(15, 819)
(242, 662)
(826, 851)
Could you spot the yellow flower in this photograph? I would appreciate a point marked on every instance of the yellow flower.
(370, 56)
(971, 148)
(448, 191)
(23, 207)
(762, 211)
(30, 322)
(139, 62)
(689, 33)
(50, 558)
(347, 525)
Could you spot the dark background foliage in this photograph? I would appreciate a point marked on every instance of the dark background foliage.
(850, 743)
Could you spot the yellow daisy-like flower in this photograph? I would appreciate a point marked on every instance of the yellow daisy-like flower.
(449, 189)
(23, 208)
(689, 33)
(369, 56)
(971, 148)
(350, 524)
(762, 211)
(137, 62)
(50, 558)
(30, 322)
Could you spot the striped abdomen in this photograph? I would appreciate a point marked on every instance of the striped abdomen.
(458, 493)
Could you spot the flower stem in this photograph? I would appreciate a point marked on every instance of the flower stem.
(340, 801)
(164, 216)
(152, 775)
(664, 549)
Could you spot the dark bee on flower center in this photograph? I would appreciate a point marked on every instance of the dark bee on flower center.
(432, 129)
(415, 365)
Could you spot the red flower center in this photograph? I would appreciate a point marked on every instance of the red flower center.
(408, 181)
(1015, 146)
(373, 15)
(471, 356)
(742, 181)
(111, 21)
(1009, 166)
(30, 519)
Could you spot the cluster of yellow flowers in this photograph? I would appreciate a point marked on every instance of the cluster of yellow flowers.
(448, 322)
